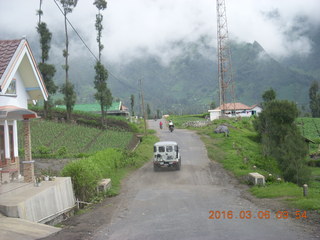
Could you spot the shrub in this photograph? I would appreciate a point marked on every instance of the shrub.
(314, 163)
(282, 140)
(85, 175)
(86, 172)
(62, 151)
(43, 150)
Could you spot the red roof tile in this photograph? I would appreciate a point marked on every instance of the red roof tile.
(233, 106)
(7, 50)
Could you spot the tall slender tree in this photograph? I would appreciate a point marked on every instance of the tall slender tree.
(47, 70)
(132, 104)
(68, 88)
(103, 94)
(314, 97)
(148, 110)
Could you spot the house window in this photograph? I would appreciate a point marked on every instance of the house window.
(2, 156)
(12, 88)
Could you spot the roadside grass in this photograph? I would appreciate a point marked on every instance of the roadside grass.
(240, 153)
(110, 163)
(179, 120)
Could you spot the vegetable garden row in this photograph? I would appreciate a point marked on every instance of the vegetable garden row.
(310, 127)
(50, 139)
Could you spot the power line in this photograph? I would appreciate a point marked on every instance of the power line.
(76, 31)
(122, 82)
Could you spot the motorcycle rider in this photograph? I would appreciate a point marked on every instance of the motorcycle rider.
(171, 125)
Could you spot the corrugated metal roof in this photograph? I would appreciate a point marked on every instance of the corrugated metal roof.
(94, 107)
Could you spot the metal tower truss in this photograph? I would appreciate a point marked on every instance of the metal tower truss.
(225, 76)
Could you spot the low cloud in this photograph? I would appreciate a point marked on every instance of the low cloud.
(133, 29)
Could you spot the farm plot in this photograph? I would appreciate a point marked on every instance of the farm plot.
(42, 132)
(50, 139)
(310, 127)
(111, 139)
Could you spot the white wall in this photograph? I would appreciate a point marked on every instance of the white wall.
(21, 97)
(214, 114)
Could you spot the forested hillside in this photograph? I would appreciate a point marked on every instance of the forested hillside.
(188, 83)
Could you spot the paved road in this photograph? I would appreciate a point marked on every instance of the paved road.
(176, 204)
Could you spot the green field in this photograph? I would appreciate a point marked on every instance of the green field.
(51, 139)
(241, 153)
(309, 127)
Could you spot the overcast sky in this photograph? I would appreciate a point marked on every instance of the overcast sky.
(135, 27)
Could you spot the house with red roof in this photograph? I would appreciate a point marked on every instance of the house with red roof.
(20, 84)
(234, 110)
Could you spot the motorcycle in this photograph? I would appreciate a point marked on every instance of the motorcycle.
(171, 128)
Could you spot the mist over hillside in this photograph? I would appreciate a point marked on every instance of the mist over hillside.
(188, 83)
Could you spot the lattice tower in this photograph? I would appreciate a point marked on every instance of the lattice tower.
(225, 75)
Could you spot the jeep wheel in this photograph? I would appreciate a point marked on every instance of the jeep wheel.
(155, 168)
(178, 166)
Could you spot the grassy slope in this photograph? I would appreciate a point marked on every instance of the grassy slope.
(240, 152)
(51, 139)
(310, 128)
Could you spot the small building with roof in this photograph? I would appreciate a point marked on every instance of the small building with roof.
(234, 110)
(20, 84)
(116, 108)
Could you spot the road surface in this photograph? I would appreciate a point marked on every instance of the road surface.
(176, 204)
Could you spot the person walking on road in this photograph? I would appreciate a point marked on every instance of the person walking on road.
(160, 124)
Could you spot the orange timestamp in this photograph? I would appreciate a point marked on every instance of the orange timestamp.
(264, 214)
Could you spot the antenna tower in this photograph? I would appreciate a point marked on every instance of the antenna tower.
(225, 77)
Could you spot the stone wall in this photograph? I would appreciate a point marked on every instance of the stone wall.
(196, 124)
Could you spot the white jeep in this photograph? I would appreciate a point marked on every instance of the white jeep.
(166, 154)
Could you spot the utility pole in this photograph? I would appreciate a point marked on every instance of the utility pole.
(225, 76)
(143, 111)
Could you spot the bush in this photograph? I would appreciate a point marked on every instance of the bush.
(282, 140)
(62, 151)
(87, 172)
(314, 163)
(85, 175)
(43, 150)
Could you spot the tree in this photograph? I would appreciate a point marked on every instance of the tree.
(269, 95)
(132, 104)
(47, 70)
(213, 105)
(282, 140)
(314, 97)
(68, 88)
(148, 111)
(103, 94)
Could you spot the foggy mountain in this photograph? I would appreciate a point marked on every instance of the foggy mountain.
(189, 83)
